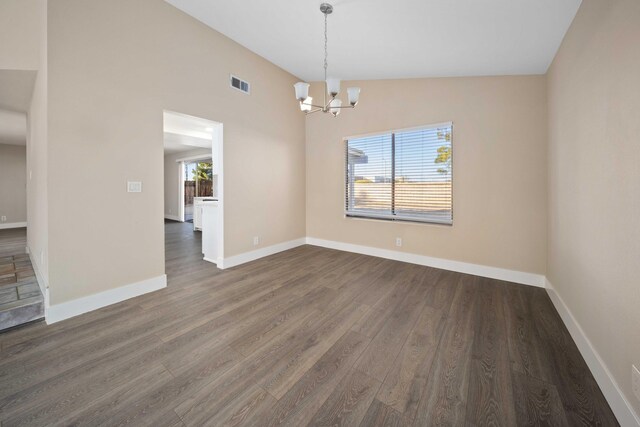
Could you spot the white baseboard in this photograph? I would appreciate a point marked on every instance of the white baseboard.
(214, 261)
(524, 278)
(172, 217)
(13, 225)
(235, 260)
(65, 310)
(612, 392)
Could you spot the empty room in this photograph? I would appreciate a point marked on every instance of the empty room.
(306, 213)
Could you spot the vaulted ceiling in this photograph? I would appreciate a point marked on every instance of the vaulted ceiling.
(375, 39)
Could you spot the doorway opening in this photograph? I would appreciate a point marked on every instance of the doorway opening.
(193, 183)
(23, 296)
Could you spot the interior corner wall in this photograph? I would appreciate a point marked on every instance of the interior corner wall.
(499, 172)
(23, 31)
(13, 183)
(171, 178)
(38, 159)
(594, 181)
(114, 67)
(37, 167)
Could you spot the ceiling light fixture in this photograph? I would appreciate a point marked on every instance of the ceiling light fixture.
(332, 85)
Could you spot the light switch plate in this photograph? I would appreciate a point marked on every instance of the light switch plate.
(134, 186)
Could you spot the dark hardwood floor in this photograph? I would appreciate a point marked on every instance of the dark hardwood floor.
(309, 336)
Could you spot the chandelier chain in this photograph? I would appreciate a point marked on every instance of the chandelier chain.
(325, 47)
(331, 86)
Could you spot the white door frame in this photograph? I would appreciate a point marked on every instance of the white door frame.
(181, 191)
(217, 158)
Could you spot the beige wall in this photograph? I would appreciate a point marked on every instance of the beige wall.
(13, 182)
(171, 183)
(113, 68)
(499, 187)
(20, 33)
(594, 180)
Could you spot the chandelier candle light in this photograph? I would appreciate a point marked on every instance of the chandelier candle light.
(332, 85)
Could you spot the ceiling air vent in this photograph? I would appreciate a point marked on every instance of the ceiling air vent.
(239, 84)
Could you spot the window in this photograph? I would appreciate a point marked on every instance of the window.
(403, 175)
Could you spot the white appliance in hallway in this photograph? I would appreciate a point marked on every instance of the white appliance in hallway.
(197, 210)
(210, 216)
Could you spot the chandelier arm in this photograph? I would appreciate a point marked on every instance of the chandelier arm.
(313, 111)
(312, 105)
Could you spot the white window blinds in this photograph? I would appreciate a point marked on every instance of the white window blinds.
(404, 175)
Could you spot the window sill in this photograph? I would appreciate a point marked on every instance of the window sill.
(399, 220)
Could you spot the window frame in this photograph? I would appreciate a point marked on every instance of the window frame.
(393, 217)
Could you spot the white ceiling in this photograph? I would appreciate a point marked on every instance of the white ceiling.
(16, 88)
(13, 128)
(175, 143)
(375, 39)
(183, 132)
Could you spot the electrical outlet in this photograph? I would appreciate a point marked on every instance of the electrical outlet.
(3, 218)
(256, 240)
(134, 186)
(398, 241)
(635, 381)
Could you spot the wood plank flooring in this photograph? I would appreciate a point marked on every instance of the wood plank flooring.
(20, 298)
(13, 241)
(309, 336)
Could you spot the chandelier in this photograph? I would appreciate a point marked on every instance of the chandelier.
(332, 85)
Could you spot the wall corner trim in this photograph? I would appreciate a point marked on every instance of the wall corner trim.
(244, 257)
(66, 310)
(523, 278)
(12, 225)
(612, 392)
(42, 281)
